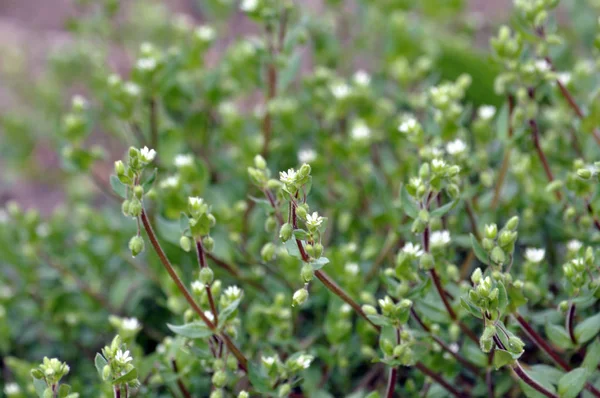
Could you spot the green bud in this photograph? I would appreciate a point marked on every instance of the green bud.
(304, 170)
(299, 297)
(310, 249)
(285, 233)
(424, 215)
(125, 208)
(515, 345)
(453, 170)
(138, 191)
(476, 276)
(513, 223)
(268, 252)
(185, 243)
(206, 275)
(219, 379)
(563, 306)
(216, 394)
(453, 191)
(487, 244)
(270, 224)
(301, 212)
(491, 231)
(507, 238)
(369, 309)
(498, 255)
(208, 243)
(243, 394)
(135, 207)
(212, 221)
(307, 273)
(119, 167)
(37, 374)
(418, 226)
(136, 245)
(106, 372)
(387, 347)
(284, 390)
(426, 261)
(318, 250)
(260, 162)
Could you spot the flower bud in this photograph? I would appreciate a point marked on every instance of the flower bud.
(219, 379)
(507, 238)
(487, 244)
(284, 390)
(125, 208)
(418, 226)
(515, 345)
(268, 252)
(299, 297)
(318, 250)
(270, 224)
(491, 231)
(285, 233)
(513, 223)
(106, 372)
(206, 275)
(260, 162)
(476, 276)
(304, 170)
(138, 191)
(301, 212)
(135, 207)
(208, 243)
(307, 273)
(136, 245)
(37, 374)
(243, 394)
(216, 394)
(369, 309)
(185, 243)
(426, 261)
(563, 306)
(119, 167)
(498, 256)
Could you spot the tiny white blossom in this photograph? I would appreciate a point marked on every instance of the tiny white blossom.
(307, 155)
(42, 230)
(438, 164)
(362, 78)
(132, 89)
(269, 361)
(352, 268)
(408, 125)
(197, 287)
(79, 102)
(412, 249)
(123, 357)
(11, 389)
(542, 66)
(170, 182)
(205, 33)
(183, 160)
(130, 324)
(456, 147)
(288, 177)
(454, 347)
(486, 112)
(345, 308)
(340, 90)
(574, 245)
(304, 360)
(195, 201)
(564, 77)
(249, 5)
(3, 216)
(360, 131)
(148, 155)
(233, 292)
(314, 220)
(535, 255)
(440, 238)
(146, 64)
(209, 315)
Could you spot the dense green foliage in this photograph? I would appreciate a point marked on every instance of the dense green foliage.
(256, 215)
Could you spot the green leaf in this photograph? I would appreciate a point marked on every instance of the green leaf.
(100, 363)
(466, 304)
(227, 311)
(502, 296)
(419, 290)
(40, 386)
(379, 320)
(592, 356)
(440, 211)
(408, 204)
(479, 251)
(558, 336)
(194, 330)
(259, 379)
(118, 187)
(184, 223)
(290, 72)
(301, 234)
(319, 263)
(64, 390)
(502, 358)
(502, 123)
(127, 377)
(587, 329)
(150, 180)
(572, 383)
(292, 248)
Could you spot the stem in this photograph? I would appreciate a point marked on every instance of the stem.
(506, 158)
(267, 124)
(391, 387)
(536, 142)
(489, 381)
(153, 123)
(235, 273)
(438, 379)
(117, 390)
(520, 372)
(182, 388)
(243, 362)
(202, 263)
(569, 323)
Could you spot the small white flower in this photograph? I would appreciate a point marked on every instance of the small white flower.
(130, 324)
(269, 361)
(454, 347)
(564, 77)
(574, 245)
(345, 308)
(209, 315)
(183, 160)
(233, 292)
(352, 268)
(132, 89)
(148, 155)
(438, 164)
(412, 249)
(304, 361)
(146, 64)
(170, 182)
(79, 102)
(195, 201)
(362, 78)
(456, 147)
(340, 90)
(197, 287)
(408, 125)
(542, 66)
(486, 112)
(249, 5)
(113, 80)
(535, 255)
(42, 230)
(306, 155)
(288, 177)
(440, 238)
(314, 220)
(11, 389)
(123, 357)
(205, 33)
(360, 131)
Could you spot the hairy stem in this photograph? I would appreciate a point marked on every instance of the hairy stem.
(538, 148)
(202, 263)
(182, 388)
(391, 387)
(506, 158)
(569, 322)
(520, 372)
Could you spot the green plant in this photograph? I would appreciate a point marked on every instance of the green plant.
(296, 228)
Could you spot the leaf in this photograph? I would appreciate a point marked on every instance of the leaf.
(479, 251)
(258, 379)
(150, 180)
(592, 356)
(300, 234)
(118, 187)
(64, 390)
(587, 329)
(40, 386)
(408, 204)
(184, 223)
(127, 377)
(471, 308)
(100, 363)
(558, 336)
(419, 290)
(290, 72)
(193, 330)
(227, 311)
(502, 123)
(502, 358)
(440, 211)
(502, 296)
(319, 263)
(572, 383)
(292, 248)
(379, 320)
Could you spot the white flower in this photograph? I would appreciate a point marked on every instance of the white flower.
(456, 147)
(314, 220)
(306, 155)
(195, 201)
(340, 90)
(360, 131)
(170, 182)
(11, 389)
(352, 268)
(148, 155)
(440, 238)
(233, 292)
(269, 361)
(288, 177)
(78, 102)
(130, 324)
(197, 287)
(345, 308)
(542, 66)
(574, 245)
(304, 360)
(438, 164)
(113, 80)
(412, 249)
(486, 112)
(123, 357)
(42, 230)
(146, 64)
(564, 77)
(408, 125)
(535, 255)
(183, 160)
(249, 5)
(209, 315)
(362, 78)
(205, 33)
(132, 89)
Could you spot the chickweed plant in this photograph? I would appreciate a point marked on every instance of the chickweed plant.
(280, 222)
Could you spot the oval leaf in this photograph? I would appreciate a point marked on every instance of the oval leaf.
(194, 330)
